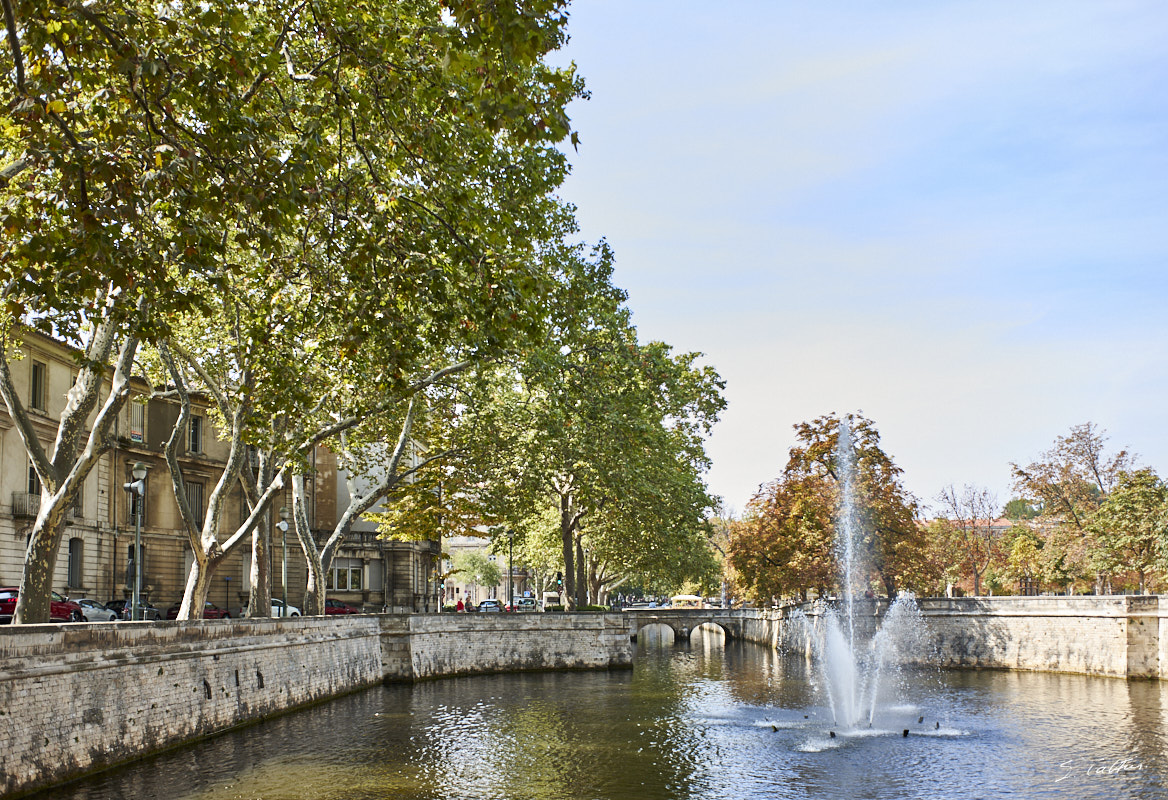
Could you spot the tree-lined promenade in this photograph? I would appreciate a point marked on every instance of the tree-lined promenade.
(339, 222)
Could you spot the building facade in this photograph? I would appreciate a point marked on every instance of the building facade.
(97, 556)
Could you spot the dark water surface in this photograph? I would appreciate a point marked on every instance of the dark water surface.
(691, 721)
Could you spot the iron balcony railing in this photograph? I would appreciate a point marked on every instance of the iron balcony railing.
(26, 505)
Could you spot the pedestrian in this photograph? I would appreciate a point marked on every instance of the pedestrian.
(459, 606)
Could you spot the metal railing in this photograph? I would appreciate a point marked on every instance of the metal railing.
(26, 505)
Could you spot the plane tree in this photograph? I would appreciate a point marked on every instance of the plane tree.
(174, 152)
(119, 169)
(606, 429)
(1129, 528)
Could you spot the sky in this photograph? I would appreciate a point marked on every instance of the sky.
(951, 217)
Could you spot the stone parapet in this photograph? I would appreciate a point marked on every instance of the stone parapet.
(1121, 636)
(80, 697)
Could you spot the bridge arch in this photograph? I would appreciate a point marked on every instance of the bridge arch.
(684, 621)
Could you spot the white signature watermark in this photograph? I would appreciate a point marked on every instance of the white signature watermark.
(1083, 766)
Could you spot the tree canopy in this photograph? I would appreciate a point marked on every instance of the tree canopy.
(784, 544)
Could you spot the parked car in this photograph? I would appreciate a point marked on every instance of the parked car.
(122, 609)
(337, 607)
(94, 611)
(526, 604)
(278, 609)
(61, 609)
(210, 611)
(490, 604)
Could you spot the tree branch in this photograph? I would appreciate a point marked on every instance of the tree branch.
(171, 452)
(353, 420)
(14, 43)
(15, 168)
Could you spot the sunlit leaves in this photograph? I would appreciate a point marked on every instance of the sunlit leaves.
(784, 543)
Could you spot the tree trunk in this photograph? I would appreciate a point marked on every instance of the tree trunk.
(198, 588)
(65, 471)
(259, 595)
(581, 575)
(36, 581)
(567, 523)
(314, 592)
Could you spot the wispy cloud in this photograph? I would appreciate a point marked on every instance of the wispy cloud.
(950, 215)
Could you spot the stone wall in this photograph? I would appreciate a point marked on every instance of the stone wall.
(441, 645)
(1118, 636)
(79, 697)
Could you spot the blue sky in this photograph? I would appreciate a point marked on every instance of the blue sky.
(951, 216)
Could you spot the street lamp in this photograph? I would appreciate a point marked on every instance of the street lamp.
(510, 566)
(138, 488)
(283, 526)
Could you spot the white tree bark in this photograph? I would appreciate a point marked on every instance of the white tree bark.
(75, 452)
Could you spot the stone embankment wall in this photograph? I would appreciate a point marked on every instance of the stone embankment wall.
(78, 697)
(422, 646)
(1118, 636)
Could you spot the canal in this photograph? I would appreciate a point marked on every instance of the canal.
(707, 719)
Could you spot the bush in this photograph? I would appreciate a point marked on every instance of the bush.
(554, 608)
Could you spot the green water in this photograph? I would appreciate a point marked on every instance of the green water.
(696, 721)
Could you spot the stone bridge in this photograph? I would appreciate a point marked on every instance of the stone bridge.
(684, 621)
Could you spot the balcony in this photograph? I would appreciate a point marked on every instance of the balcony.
(26, 505)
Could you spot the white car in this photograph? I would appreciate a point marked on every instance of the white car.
(278, 609)
(94, 611)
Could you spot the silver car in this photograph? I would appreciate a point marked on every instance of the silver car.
(94, 611)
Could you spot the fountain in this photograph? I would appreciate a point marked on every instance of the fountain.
(850, 676)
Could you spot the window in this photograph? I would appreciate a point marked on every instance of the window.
(195, 501)
(195, 429)
(40, 386)
(34, 481)
(137, 422)
(76, 551)
(345, 575)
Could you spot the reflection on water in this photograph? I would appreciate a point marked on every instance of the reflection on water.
(703, 719)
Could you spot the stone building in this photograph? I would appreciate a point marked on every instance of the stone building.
(456, 587)
(399, 576)
(97, 550)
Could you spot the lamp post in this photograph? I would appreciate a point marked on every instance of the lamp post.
(510, 567)
(586, 571)
(283, 526)
(138, 488)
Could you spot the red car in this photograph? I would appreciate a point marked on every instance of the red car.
(60, 609)
(337, 607)
(210, 611)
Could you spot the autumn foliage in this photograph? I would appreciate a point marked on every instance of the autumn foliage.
(784, 544)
